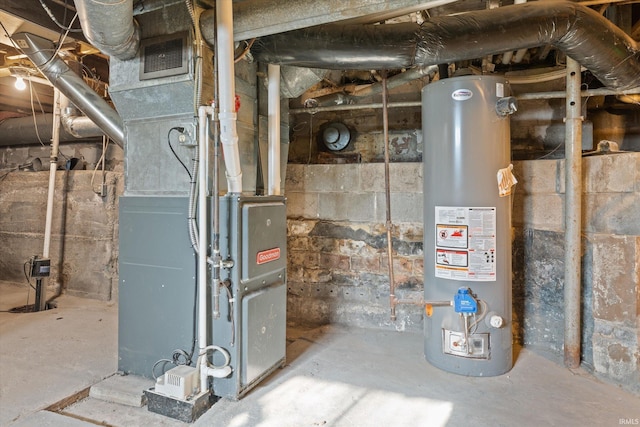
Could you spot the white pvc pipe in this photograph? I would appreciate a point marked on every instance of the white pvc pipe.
(274, 130)
(53, 166)
(508, 56)
(226, 79)
(519, 56)
(203, 112)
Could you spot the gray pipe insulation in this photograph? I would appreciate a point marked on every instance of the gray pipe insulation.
(22, 131)
(604, 49)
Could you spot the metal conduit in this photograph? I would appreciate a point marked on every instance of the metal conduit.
(607, 51)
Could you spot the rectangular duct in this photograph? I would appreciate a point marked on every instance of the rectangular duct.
(154, 92)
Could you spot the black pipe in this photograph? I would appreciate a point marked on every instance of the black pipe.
(584, 35)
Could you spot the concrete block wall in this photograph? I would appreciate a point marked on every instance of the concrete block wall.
(338, 267)
(337, 253)
(84, 244)
(610, 262)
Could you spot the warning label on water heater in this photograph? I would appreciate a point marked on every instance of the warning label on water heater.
(465, 243)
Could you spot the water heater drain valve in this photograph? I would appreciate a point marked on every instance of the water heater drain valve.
(464, 302)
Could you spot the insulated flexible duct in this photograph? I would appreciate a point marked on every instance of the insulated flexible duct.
(26, 130)
(607, 51)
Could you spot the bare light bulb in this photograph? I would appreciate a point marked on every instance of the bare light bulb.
(20, 84)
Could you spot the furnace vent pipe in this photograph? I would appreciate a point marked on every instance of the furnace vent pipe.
(607, 51)
(109, 26)
(40, 51)
(203, 113)
(273, 181)
(227, 88)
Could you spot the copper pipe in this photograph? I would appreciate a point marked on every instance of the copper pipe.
(422, 302)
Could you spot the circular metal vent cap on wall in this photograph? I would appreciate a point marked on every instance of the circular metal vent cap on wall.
(336, 136)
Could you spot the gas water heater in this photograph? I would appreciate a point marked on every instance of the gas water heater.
(467, 228)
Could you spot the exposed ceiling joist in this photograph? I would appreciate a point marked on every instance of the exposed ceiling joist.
(256, 19)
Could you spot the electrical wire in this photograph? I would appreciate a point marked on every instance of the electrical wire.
(179, 129)
(100, 162)
(6, 174)
(33, 112)
(245, 51)
(178, 358)
(479, 319)
(226, 285)
(153, 369)
(61, 40)
(26, 275)
(55, 21)
(310, 137)
(551, 152)
(16, 47)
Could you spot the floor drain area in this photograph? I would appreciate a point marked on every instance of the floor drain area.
(31, 308)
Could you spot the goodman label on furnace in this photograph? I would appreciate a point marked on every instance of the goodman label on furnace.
(465, 243)
(269, 255)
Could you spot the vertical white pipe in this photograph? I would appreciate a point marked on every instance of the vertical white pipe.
(573, 216)
(274, 130)
(202, 235)
(226, 77)
(519, 56)
(508, 56)
(53, 166)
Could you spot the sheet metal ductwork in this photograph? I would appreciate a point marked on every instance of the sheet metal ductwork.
(109, 26)
(21, 131)
(607, 51)
(39, 51)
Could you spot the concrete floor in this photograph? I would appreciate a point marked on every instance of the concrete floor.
(334, 377)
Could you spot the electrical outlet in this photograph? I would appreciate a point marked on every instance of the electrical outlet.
(187, 137)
